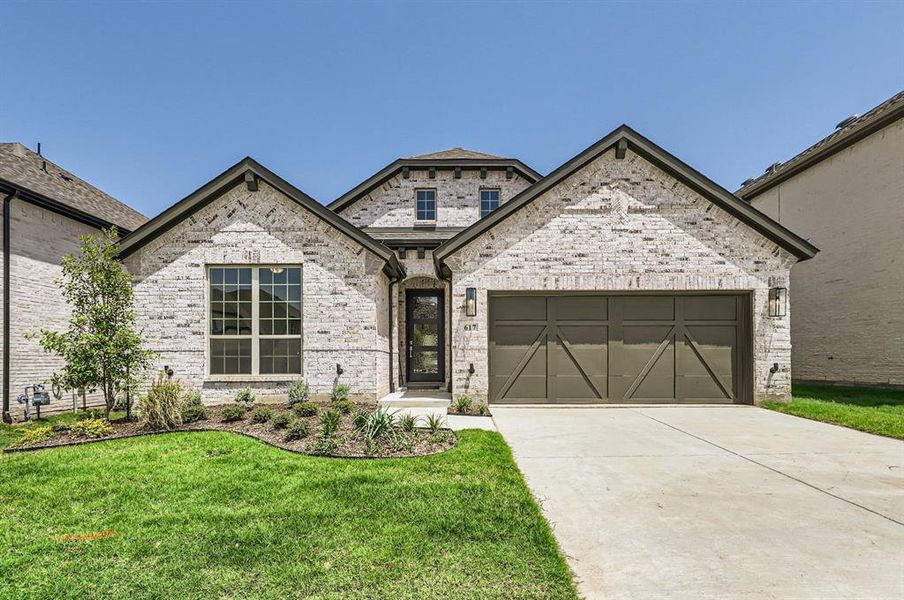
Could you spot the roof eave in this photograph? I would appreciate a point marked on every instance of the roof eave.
(233, 176)
(783, 174)
(779, 234)
(393, 168)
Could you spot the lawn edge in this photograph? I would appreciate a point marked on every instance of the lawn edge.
(790, 414)
(14, 450)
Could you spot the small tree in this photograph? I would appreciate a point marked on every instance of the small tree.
(101, 348)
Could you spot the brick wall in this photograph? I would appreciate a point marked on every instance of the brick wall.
(457, 200)
(344, 311)
(848, 323)
(620, 225)
(38, 240)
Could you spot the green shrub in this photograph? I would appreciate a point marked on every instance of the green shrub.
(463, 403)
(435, 422)
(245, 398)
(297, 430)
(194, 413)
(325, 445)
(299, 391)
(193, 398)
(340, 392)
(305, 409)
(61, 427)
(407, 422)
(261, 415)
(360, 419)
(483, 409)
(92, 428)
(91, 413)
(344, 406)
(234, 412)
(329, 421)
(377, 424)
(280, 420)
(161, 407)
(33, 436)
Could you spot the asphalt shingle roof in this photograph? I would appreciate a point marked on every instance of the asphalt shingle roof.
(24, 168)
(824, 147)
(456, 153)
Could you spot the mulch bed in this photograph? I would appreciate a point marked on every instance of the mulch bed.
(351, 444)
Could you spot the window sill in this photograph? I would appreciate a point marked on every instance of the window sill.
(425, 224)
(252, 378)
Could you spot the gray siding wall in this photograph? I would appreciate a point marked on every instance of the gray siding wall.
(457, 200)
(621, 225)
(848, 322)
(344, 292)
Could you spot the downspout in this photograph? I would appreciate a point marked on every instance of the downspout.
(392, 281)
(7, 202)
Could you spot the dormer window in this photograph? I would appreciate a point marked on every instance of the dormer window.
(489, 201)
(426, 205)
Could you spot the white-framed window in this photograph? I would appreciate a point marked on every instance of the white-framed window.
(489, 201)
(254, 320)
(425, 209)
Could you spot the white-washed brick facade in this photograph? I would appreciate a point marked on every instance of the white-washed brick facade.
(344, 293)
(392, 204)
(39, 238)
(620, 225)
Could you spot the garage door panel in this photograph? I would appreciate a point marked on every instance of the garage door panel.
(709, 308)
(581, 308)
(655, 349)
(647, 308)
(519, 308)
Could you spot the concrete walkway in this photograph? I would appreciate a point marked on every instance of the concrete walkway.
(714, 502)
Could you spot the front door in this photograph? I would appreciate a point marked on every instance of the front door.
(425, 332)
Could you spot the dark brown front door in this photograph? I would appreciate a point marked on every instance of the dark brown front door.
(624, 348)
(425, 332)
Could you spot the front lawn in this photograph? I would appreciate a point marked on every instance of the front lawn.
(867, 409)
(204, 515)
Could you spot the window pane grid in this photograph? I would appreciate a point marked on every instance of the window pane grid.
(489, 201)
(426, 205)
(234, 339)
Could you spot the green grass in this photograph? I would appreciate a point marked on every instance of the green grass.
(867, 409)
(200, 515)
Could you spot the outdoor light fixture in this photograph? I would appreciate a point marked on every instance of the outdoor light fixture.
(471, 302)
(276, 270)
(778, 302)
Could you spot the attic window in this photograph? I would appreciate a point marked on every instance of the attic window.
(426, 205)
(489, 201)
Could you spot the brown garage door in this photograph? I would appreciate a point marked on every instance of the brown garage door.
(599, 349)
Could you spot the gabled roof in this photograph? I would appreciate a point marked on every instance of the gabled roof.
(849, 132)
(246, 171)
(26, 171)
(622, 138)
(447, 159)
(457, 152)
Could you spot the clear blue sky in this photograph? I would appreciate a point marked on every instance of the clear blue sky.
(149, 101)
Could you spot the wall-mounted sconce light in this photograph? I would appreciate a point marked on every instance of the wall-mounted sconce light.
(471, 302)
(339, 370)
(778, 302)
(774, 368)
(471, 369)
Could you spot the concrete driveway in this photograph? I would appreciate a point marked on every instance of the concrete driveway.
(714, 502)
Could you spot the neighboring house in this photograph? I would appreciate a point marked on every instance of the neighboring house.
(846, 194)
(622, 276)
(45, 211)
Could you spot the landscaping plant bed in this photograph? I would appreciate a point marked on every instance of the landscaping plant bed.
(283, 428)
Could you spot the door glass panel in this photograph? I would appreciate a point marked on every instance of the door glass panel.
(425, 363)
(424, 308)
(425, 334)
